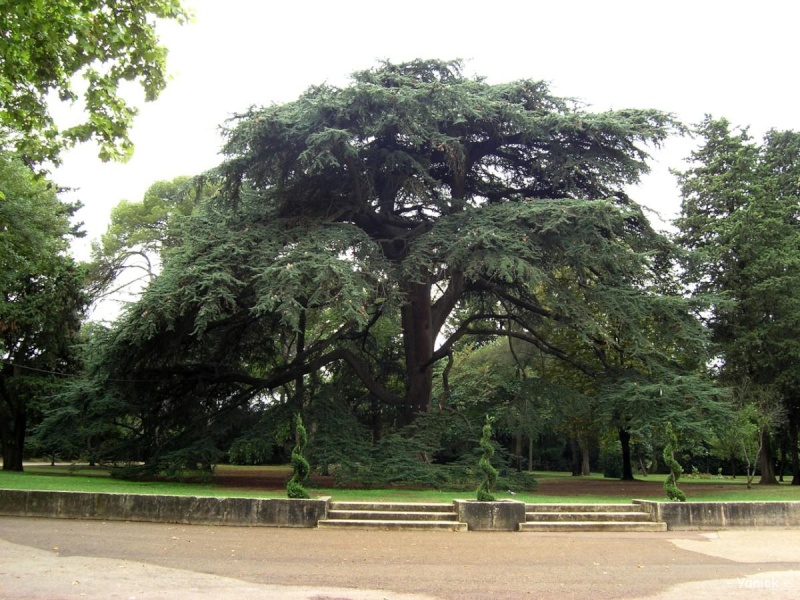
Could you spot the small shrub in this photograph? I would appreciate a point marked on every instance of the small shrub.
(484, 464)
(517, 481)
(300, 466)
(671, 482)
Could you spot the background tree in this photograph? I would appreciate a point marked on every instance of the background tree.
(70, 428)
(129, 254)
(653, 372)
(41, 300)
(741, 437)
(45, 45)
(739, 219)
(496, 379)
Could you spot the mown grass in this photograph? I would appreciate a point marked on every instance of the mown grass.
(697, 488)
(705, 489)
(77, 481)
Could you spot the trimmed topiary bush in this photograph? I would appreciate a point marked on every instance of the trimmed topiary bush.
(671, 483)
(485, 465)
(294, 487)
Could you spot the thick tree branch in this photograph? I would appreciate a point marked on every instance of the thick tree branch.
(501, 292)
(530, 337)
(540, 343)
(444, 306)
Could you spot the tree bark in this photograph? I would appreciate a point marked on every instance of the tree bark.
(13, 423)
(767, 462)
(300, 347)
(418, 344)
(375, 420)
(13, 441)
(627, 468)
(585, 466)
(794, 453)
(575, 453)
(518, 451)
(530, 454)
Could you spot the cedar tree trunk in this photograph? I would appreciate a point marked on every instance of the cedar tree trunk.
(418, 342)
(575, 452)
(12, 438)
(586, 469)
(627, 468)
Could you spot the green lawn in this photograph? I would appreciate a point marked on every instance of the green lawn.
(554, 487)
(78, 481)
(697, 489)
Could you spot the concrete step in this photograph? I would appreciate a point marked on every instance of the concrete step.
(392, 516)
(386, 515)
(592, 526)
(583, 508)
(441, 516)
(393, 506)
(587, 516)
(393, 524)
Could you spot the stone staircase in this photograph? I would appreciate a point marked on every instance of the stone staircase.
(589, 517)
(394, 515)
(538, 517)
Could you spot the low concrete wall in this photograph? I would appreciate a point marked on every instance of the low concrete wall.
(269, 512)
(503, 515)
(723, 515)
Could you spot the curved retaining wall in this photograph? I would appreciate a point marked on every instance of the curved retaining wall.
(723, 515)
(269, 512)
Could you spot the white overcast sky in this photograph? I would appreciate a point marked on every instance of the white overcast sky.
(726, 58)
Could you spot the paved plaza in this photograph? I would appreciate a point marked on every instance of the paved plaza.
(66, 559)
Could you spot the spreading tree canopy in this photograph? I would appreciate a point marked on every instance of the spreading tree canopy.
(417, 208)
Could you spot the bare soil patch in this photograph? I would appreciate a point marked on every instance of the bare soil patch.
(268, 479)
(580, 486)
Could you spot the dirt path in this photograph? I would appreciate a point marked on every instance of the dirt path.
(44, 559)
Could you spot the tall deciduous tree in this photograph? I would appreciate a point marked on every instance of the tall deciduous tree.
(140, 231)
(41, 299)
(46, 44)
(416, 205)
(740, 220)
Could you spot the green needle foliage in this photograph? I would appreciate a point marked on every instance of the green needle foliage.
(485, 465)
(300, 466)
